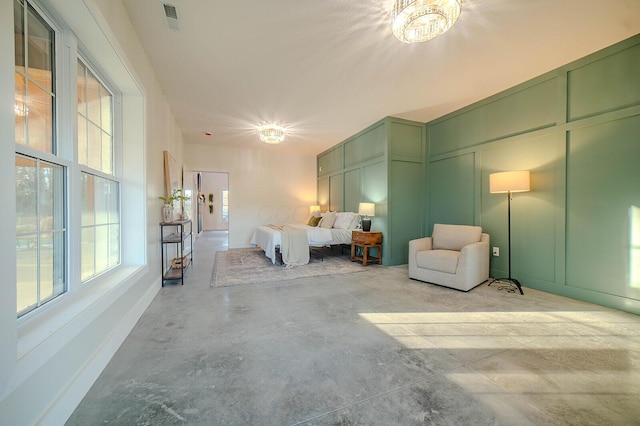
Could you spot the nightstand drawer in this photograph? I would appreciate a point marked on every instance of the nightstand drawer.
(366, 237)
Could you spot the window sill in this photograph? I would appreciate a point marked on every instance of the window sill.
(60, 318)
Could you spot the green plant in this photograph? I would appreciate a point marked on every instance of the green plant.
(176, 195)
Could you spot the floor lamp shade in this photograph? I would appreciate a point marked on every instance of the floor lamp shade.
(508, 183)
(366, 210)
(503, 182)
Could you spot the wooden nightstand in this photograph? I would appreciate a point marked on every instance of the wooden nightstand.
(366, 240)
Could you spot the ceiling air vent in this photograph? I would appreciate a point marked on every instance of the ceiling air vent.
(171, 12)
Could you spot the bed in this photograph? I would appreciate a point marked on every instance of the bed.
(269, 237)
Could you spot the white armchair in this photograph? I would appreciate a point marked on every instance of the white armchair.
(455, 256)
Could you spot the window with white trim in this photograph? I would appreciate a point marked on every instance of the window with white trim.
(41, 235)
(46, 165)
(100, 204)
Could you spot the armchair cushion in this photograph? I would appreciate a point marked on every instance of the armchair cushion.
(454, 237)
(438, 260)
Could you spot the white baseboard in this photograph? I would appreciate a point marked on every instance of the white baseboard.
(69, 397)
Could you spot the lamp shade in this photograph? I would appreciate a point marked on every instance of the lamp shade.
(515, 181)
(314, 209)
(367, 209)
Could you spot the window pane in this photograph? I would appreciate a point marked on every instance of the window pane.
(94, 142)
(51, 200)
(20, 108)
(105, 110)
(107, 153)
(114, 203)
(40, 232)
(46, 266)
(27, 272)
(18, 25)
(102, 248)
(40, 50)
(88, 200)
(95, 119)
(93, 98)
(87, 255)
(102, 201)
(39, 118)
(33, 104)
(114, 245)
(82, 89)
(100, 229)
(26, 195)
(51, 265)
(82, 139)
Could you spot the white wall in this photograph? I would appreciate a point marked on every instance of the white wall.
(264, 186)
(214, 183)
(49, 360)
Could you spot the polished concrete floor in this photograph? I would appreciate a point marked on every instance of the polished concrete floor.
(367, 348)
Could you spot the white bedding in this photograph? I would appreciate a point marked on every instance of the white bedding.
(268, 238)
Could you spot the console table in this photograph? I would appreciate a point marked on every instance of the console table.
(179, 235)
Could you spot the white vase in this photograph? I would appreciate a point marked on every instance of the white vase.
(167, 213)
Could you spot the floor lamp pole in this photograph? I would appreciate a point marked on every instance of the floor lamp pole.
(513, 280)
(509, 182)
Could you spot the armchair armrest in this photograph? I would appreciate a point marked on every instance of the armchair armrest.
(475, 257)
(421, 244)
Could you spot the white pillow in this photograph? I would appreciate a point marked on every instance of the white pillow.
(343, 220)
(327, 220)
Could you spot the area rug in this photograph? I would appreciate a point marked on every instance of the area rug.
(251, 266)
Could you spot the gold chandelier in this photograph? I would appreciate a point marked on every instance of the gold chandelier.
(271, 133)
(421, 20)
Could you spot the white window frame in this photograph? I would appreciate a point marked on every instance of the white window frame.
(116, 148)
(57, 156)
(67, 52)
(48, 329)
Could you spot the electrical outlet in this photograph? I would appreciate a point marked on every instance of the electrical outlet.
(496, 251)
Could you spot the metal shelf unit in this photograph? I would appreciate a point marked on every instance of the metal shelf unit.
(179, 236)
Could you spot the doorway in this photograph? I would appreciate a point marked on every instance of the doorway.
(209, 204)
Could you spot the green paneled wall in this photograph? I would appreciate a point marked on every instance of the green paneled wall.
(332, 161)
(452, 191)
(336, 193)
(383, 164)
(529, 108)
(366, 146)
(407, 140)
(535, 224)
(606, 84)
(405, 221)
(352, 190)
(577, 129)
(603, 187)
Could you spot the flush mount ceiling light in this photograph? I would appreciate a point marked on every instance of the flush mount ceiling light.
(415, 21)
(271, 133)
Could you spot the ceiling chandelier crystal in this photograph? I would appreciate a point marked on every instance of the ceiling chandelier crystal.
(416, 21)
(271, 134)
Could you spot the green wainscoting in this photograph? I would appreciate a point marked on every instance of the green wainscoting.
(603, 224)
(452, 191)
(367, 146)
(384, 165)
(606, 83)
(577, 129)
(528, 108)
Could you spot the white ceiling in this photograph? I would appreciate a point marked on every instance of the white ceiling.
(326, 69)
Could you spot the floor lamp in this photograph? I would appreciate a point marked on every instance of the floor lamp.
(509, 182)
